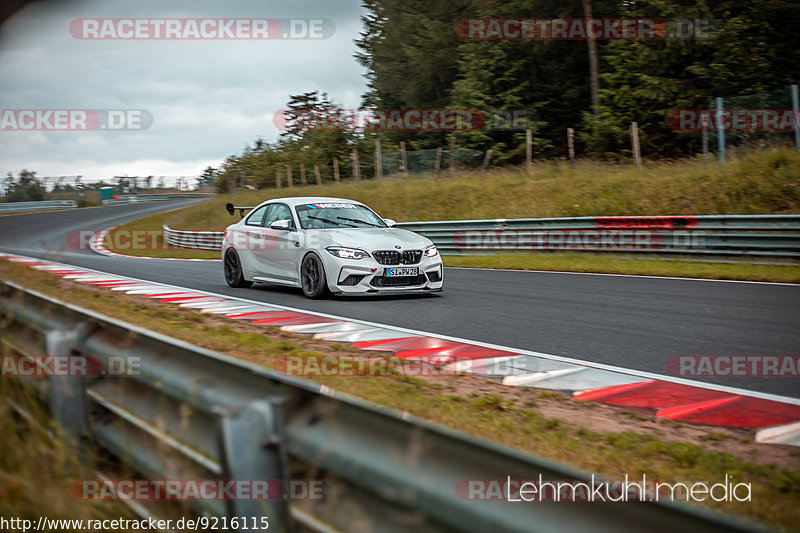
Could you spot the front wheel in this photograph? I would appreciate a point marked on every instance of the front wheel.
(312, 277)
(233, 271)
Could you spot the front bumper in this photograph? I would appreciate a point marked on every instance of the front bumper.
(366, 276)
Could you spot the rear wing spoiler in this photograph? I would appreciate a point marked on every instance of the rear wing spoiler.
(231, 209)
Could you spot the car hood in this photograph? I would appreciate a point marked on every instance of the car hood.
(370, 239)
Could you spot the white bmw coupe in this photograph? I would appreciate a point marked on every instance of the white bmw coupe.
(327, 245)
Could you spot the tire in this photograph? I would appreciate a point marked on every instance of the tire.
(233, 271)
(312, 277)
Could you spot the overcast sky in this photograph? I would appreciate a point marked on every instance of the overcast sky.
(208, 98)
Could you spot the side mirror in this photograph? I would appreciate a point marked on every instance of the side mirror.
(283, 225)
(389, 222)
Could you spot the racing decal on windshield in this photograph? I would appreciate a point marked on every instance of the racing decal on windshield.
(331, 206)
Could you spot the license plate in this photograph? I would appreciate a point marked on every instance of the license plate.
(402, 272)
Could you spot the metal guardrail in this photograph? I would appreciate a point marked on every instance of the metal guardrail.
(197, 240)
(768, 236)
(194, 414)
(133, 198)
(18, 207)
(762, 236)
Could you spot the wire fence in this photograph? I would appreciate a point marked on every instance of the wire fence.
(769, 118)
(425, 161)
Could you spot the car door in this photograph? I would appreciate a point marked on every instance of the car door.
(281, 250)
(248, 237)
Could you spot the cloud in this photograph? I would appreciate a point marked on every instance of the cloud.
(208, 98)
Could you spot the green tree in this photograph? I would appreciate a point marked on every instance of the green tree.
(27, 188)
(744, 52)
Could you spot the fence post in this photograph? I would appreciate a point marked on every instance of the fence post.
(356, 169)
(796, 115)
(637, 154)
(486, 159)
(289, 176)
(403, 158)
(303, 174)
(528, 150)
(438, 165)
(378, 160)
(277, 177)
(571, 144)
(336, 169)
(316, 174)
(720, 132)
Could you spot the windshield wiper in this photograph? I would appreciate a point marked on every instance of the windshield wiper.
(329, 220)
(361, 221)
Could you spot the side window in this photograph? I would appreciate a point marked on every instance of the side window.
(255, 218)
(278, 212)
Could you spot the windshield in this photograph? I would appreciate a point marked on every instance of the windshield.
(328, 215)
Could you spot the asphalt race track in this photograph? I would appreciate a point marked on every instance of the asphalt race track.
(631, 322)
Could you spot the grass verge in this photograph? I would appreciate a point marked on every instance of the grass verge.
(151, 243)
(760, 182)
(38, 464)
(608, 264)
(596, 438)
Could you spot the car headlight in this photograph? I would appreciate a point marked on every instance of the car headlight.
(347, 253)
(431, 251)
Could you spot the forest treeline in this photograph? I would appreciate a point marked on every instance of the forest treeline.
(415, 59)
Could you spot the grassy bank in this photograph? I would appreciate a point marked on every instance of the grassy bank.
(38, 464)
(596, 438)
(759, 182)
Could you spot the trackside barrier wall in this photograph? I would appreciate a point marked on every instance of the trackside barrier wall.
(771, 237)
(16, 207)
(134, 198)
(191, 413)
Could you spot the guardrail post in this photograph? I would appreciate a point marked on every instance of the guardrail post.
(252, 448)
(68, 404)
